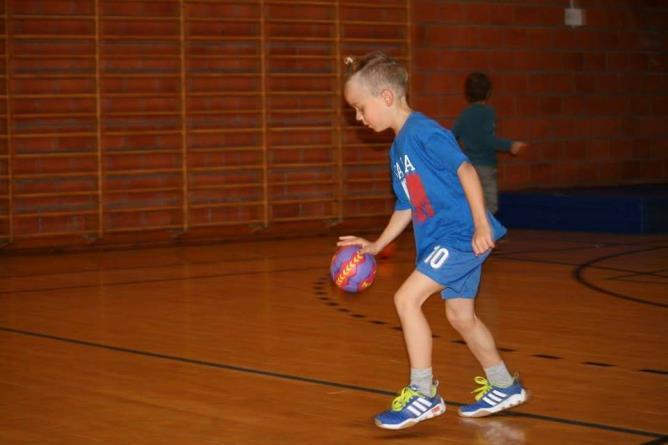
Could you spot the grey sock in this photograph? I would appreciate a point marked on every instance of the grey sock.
(499, 376)
(422, 380)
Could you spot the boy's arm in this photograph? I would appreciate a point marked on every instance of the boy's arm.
(492, 140)
(482, 237)
(501, 144)
(398, 222)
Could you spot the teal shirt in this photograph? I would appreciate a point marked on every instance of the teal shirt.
(475, 131)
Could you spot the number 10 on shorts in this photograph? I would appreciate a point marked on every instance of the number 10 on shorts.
(437, 257)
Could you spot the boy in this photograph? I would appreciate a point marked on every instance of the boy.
(475, 131)
(438, 190)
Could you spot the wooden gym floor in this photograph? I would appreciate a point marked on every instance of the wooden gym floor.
(249, 343)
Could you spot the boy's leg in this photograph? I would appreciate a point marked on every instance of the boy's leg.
(461, 315)
(417, 334)
(500, 390)
(419, 401)
(488, 180)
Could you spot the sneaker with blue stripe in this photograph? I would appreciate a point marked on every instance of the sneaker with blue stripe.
(411, 407)
(492, 399)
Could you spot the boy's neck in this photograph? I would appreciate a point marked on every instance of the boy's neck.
(479, 102)
(403, 111)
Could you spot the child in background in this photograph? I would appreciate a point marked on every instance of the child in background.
(438, 190)
(475, 131)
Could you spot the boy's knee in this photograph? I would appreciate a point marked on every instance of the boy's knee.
(405, 302)
(461, 321)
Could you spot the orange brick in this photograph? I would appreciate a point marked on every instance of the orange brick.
(609, 172)
(127, 181)
(60, 124)
(295, 174)
(55, 224)
(241, 213)
(48, 47)
(141, 161)
(233, 139)
(312, 12)
(427, 10)
(142, 219)
(449, 36)
(82, 164)
(551, 105)
(74, 204)
(134, 200)
(63, 105)
(124, 48)
(140, 84)
(349, 12)
(138, 104)
(451, 12)
(53, 86)
(145, 28)
(476, 13)
(229, 195)
(514, 176)
(219, 9)
(46, 26)
(140, 142)
(355, 208)
(540, 174)
(140, 8)
(52, 7)
(204, 159)
(56, 184)
(528, 105)
(598, 149)
(500, 13)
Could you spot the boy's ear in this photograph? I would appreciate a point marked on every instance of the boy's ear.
(388, 96)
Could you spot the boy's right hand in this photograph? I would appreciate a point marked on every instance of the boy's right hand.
(516, 146)
(367, 246)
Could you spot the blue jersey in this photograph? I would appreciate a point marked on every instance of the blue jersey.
(424, 159)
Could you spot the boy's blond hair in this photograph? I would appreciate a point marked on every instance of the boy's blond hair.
(379, 71)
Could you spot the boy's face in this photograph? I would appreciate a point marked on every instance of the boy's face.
(369, 109)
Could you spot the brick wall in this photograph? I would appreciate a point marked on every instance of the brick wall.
(131, 121)
(591, 101)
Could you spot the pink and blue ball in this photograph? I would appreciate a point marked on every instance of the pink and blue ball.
(351, 270)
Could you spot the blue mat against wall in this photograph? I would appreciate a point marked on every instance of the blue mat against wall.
(629, 209)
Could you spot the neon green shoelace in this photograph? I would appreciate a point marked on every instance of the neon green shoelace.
(485, 387)
(402, 399)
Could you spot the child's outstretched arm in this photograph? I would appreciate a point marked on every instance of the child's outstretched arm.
(516, 146)
(482, 237)
(398, 222)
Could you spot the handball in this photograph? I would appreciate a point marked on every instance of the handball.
(351, 270)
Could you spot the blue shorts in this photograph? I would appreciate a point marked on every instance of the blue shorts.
(457, 270)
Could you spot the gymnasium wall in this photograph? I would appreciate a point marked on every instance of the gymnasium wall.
(142, 121)
(136, 121)
(591, 101)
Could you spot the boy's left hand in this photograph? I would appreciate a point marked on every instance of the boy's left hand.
(516, 146)
(366, 245)
(482, 240)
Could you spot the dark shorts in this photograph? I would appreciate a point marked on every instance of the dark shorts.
(489, 184)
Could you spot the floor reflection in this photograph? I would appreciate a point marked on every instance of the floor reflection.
(496, 430)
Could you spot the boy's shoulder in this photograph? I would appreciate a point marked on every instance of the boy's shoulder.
(421, 123)
(478, 108)
(423, 131)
